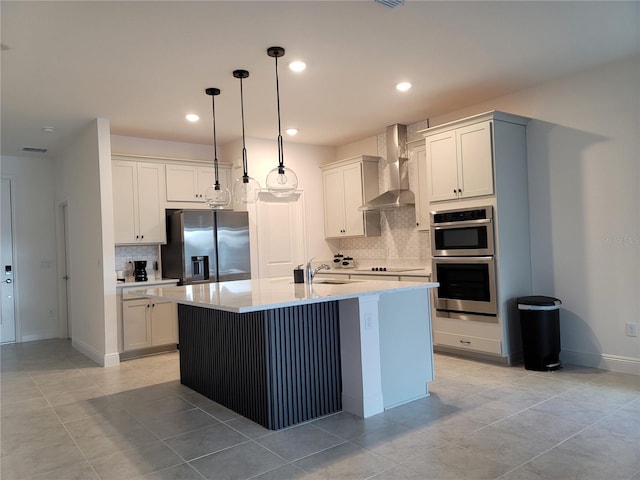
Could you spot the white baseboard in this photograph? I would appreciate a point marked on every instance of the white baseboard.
(606, 362)
(111, 359)
(104, 360)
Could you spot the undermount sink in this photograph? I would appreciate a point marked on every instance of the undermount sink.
(331, 281)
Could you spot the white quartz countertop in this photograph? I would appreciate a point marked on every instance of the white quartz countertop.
(263, 294)
(158, 281)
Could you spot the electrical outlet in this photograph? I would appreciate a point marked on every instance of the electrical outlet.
(632, 329)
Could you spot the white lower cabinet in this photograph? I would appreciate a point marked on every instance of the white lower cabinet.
(477, 336)
(148, 323)
(467, 342)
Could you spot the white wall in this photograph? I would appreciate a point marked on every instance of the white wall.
(84, 183)
(366, 146)
(584, 178)
(34, 245)
(161, 148)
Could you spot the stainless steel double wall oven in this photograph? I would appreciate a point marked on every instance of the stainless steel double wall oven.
(462, 247)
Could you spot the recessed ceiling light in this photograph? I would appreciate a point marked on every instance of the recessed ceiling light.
(292, 131)
(403, 86)
(192, 117)
(297, 66)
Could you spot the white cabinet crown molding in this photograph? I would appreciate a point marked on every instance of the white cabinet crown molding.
(186, 161)
(491, 115)
(349, 161)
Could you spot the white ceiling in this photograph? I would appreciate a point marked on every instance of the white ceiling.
(144, 65)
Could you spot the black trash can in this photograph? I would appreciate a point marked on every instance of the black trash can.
(540, 325)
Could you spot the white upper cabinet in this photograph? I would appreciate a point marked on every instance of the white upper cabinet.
(348, 184)
(475, 165)
(417, 155)
(138, 206)
(188, 183)
(459, 162)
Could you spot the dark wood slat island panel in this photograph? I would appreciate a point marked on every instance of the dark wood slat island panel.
(277, 367)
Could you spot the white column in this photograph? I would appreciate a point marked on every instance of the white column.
(360, 351)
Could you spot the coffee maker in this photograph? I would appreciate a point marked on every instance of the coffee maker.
(140, 270)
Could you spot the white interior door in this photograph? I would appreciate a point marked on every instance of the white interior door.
(8, 318)
(281, 235)
(63, 268)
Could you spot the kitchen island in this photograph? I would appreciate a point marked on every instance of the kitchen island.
(281, 353)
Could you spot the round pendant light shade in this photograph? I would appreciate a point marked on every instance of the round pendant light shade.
(245, 188)
(216, 196)
(281, 181)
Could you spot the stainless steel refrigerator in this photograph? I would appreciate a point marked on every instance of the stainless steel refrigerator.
(206, 246)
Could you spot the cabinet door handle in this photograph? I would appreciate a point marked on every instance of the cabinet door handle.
(465, 342)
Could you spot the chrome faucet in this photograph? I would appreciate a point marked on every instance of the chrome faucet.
(310, 272)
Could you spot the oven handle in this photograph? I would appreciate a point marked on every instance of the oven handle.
(480, 221)
(459, 259)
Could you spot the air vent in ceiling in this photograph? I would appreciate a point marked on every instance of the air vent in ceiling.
(33, 150)
(390, 3)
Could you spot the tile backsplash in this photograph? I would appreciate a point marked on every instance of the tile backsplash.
(399, 242)
(126, 253)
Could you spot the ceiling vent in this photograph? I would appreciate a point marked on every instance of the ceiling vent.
(390, 3)
(33, 150)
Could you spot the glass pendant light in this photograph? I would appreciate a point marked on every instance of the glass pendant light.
(281, 181)
(245, 188)
(215, 196)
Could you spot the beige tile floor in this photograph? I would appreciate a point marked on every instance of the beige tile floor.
(65, 418)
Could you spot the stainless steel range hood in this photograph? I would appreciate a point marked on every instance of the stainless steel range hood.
(398, 194)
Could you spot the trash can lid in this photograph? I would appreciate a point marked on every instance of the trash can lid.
(538, 302)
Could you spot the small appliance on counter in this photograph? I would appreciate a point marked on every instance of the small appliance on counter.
(348, 262)
(298, 274)
(140, 270)
(342, 261)
(121, 276)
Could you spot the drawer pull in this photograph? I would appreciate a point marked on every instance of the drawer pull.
(465, 342)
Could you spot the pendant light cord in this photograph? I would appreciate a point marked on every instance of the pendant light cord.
(280, 145)
(215, 146)
(245, 171)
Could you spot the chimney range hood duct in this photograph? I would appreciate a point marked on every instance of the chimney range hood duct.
(398, 195)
